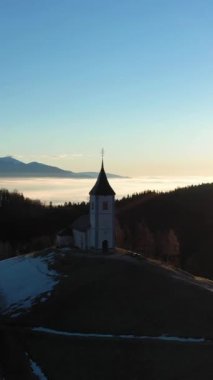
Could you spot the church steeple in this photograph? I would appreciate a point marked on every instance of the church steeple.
(102, 232)
(102, 186)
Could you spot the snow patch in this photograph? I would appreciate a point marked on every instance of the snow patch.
(120, 337)
(23, 280)
(37, 370)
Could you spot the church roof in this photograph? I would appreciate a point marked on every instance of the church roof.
(65, 232)
(102, 186)
(82, 223)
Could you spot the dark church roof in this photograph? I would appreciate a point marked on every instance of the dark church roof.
(65, 232)
(82, 223)
(102, 186)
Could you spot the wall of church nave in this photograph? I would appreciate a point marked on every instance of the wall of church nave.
(64, 241)
(80, 239)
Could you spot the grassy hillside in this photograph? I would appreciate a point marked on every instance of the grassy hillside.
(121, 294)
(118, 294)
(64, 359)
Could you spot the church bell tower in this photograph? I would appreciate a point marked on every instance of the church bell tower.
(102, 214)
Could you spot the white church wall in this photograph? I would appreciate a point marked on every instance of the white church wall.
(81, 239)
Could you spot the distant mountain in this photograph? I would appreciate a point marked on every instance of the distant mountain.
(10, 167)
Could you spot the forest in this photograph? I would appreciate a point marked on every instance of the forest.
(174, 227)
(27, 225)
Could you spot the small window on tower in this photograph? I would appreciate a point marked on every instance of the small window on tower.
(105, 205)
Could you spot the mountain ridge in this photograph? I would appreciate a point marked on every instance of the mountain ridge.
(11, 167)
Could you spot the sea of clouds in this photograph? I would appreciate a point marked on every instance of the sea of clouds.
(61, 190)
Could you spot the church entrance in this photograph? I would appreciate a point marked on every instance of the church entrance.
(105, 246)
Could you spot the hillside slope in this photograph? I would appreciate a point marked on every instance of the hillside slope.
(116, 295)
(121, 294)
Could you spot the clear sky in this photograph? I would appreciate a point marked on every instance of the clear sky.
(132, 76)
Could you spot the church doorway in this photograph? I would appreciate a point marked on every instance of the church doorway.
(105, 246)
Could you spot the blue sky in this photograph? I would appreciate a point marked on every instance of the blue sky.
(132, 76)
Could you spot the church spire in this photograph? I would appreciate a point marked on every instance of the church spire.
(102, 186)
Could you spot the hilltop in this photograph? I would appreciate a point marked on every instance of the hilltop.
(11, 167)
(114, 316)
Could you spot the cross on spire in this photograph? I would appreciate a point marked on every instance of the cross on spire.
(102, 153)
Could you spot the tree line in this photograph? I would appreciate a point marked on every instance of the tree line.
(27, 224)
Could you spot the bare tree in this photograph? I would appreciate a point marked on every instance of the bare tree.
(168, 247)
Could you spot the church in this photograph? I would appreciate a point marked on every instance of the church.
(96, 230)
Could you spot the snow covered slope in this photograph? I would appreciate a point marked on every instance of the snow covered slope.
(23, 280)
